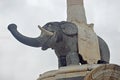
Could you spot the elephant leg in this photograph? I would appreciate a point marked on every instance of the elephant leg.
(72, 58)
(104, 51)
(62, 61)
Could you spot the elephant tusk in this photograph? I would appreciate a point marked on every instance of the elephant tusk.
(45, 31)
(39, 27)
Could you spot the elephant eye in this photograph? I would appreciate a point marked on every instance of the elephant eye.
(49, 25)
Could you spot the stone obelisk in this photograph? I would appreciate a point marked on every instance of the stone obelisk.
(87, 39)
(76, 11)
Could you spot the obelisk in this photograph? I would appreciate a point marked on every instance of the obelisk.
(76, 11)
(88, 45)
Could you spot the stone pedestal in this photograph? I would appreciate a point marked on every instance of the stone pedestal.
(76, 72)
(84, 72)
(104, 72)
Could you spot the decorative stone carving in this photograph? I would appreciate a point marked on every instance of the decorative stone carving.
(75, 72)
(84, 72)
(105, 72)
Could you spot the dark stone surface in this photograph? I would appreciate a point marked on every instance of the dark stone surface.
(64, 41)
(73, 78)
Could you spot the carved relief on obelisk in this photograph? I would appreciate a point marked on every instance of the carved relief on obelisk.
(87, 39)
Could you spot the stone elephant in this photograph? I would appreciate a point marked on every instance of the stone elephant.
(62, 37)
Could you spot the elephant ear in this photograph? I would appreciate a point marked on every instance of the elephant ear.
(69, 28)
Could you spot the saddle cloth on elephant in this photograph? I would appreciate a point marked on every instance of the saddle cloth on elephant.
(88, 45)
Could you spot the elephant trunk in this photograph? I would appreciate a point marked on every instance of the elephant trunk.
(34, 42)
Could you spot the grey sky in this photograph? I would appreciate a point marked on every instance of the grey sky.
(21, 62)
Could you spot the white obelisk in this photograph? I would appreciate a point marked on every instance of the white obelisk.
(76, 11)
(87, 39)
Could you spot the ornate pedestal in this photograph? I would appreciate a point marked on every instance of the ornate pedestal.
(104, 72)
(84, 72)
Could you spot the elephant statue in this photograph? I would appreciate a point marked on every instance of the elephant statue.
(62, 37)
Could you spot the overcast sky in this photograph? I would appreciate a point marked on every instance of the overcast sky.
(21, 62)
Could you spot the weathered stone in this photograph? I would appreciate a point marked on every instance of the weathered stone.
(105, 72)
(73, 78)
(88, 45)
(73, 72)
(75, 11)
(84, 72)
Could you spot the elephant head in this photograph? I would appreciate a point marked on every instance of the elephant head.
(51, 34)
